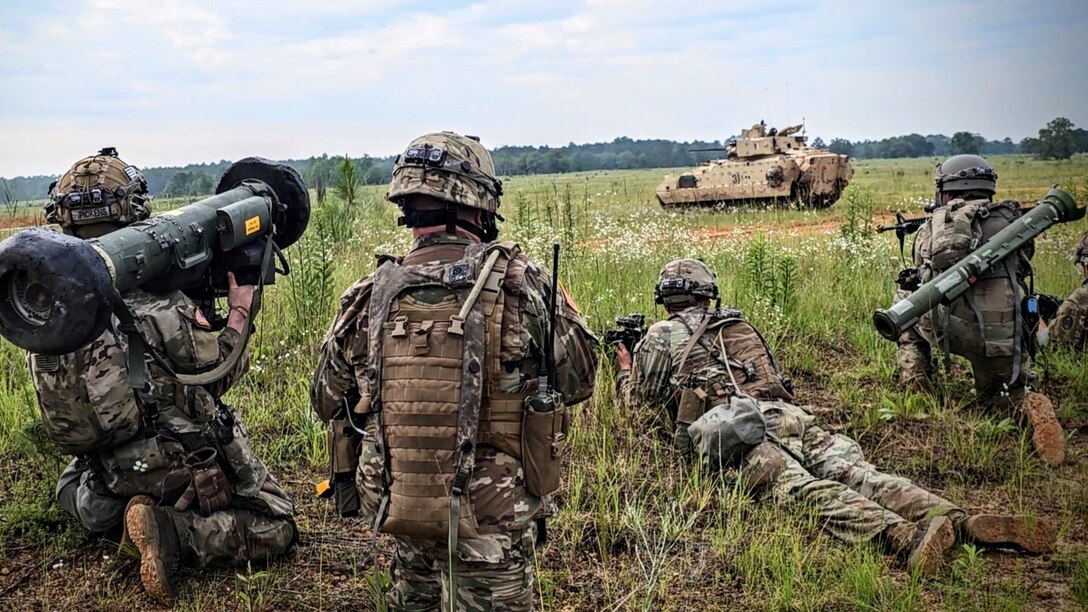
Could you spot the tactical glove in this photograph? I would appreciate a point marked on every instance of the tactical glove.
(209, 485)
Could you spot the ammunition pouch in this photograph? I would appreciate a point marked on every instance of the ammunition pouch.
(543, 438)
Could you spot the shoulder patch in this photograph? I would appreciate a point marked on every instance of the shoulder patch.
(200, 320)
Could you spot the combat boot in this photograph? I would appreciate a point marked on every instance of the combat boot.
(1046, 432)
(152, 532)
(922, 544)
(1035, 535)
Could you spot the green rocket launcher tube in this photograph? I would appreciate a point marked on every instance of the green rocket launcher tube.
(57, 292)
(1057, 207)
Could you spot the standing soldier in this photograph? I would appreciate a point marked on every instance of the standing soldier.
(430, 379)
(986, 325)
(169, 461)
(701, 358)
(1070, 326)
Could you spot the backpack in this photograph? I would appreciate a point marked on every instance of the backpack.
(84, 397)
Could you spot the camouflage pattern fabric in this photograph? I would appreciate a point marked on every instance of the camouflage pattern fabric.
(981, 325)
(801, 465)
(1070, 326)
(827, 474)
(96, 487)
(496, 491)
(420, 581)
(654, 379)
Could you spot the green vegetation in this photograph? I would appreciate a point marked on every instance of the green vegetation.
(635, 529)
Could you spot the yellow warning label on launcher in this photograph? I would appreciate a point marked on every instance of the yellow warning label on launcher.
(253, 225)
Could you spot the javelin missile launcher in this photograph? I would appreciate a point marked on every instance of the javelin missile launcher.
(1056, 207)
(57, 292)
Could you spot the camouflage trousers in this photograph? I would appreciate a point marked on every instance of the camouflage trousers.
(827, 474)
(421, 577)
(255, 531)
(989, 347)
(493, 571)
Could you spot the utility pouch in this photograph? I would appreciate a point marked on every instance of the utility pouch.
(343, 460)
(692, 405)
(543, 439)
(248, 472)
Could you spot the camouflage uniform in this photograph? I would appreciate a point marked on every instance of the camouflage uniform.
(1070, 326)
(97, 485)
(802, 464)
(496, 567)
(991, 348)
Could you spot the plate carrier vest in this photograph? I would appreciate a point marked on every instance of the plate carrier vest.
(434, 387)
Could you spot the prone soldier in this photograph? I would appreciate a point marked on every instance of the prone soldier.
(168, 462)
(724, 391)
(431, 381)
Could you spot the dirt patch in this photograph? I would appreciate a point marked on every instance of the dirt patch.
(792, 228)
(9, 222)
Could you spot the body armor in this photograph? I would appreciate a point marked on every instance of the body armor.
(432, 382)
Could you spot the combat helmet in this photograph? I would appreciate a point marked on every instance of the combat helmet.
(965, 173)
(452, 168)
(683, 280)
(98, 189)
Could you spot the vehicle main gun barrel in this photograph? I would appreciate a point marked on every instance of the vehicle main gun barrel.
(57, 292)
(1056, 207)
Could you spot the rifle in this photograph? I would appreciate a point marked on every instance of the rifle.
(629, 332)
(903, 227)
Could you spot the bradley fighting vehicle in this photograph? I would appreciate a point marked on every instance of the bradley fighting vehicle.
(762, 167)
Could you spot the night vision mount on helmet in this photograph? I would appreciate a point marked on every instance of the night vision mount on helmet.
(763, 167)
(57, 292)
(682, 279)
(451, 168)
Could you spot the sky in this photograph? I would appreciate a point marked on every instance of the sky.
(171, 82)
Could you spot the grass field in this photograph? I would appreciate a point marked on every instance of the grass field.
(636, 529)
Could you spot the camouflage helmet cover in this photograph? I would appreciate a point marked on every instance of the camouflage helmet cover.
(447, 166)
(966, 173)
(681, 279)
(96, 189)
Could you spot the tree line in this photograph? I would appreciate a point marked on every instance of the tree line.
(1059, 139)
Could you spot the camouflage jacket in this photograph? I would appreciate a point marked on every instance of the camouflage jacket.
(341, 370)
(655, 379)
(149, 461)
(1070, 326)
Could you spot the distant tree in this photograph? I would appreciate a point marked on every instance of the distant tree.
(966, 142)
(1057, 140)
(178, 185)
(348, 181)
(202, 184)
(319, 174)
(819, 143)
(1029, 146)
(841, 146)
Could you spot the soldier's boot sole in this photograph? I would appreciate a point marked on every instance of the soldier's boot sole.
(1028, 535)
(157, 561)
(1046, 432)
(929, 549)
(139, 500)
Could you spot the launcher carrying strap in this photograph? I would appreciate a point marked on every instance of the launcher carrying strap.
(139, 350)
